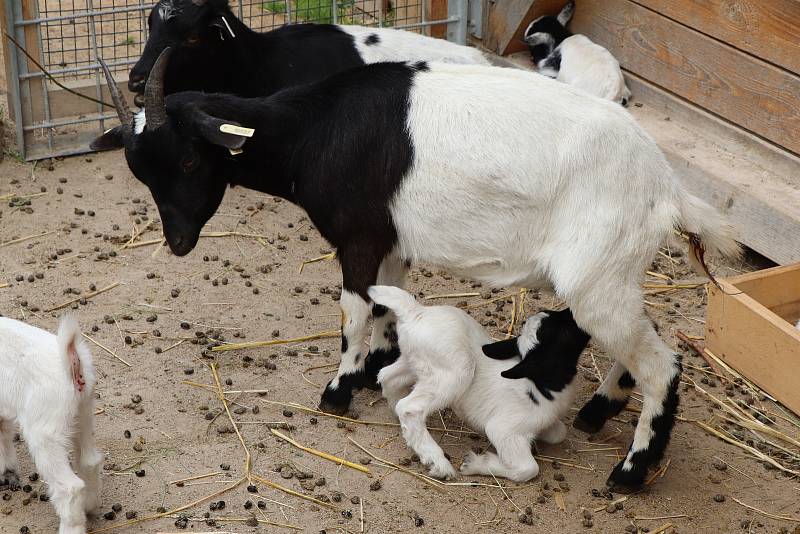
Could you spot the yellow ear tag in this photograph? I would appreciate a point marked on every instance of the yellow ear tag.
(235, 151)
(237, 130)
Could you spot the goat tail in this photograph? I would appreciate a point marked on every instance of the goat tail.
(708, 231)
(74, 355)
(401, 302)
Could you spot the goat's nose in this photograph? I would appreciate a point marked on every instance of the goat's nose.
(136, 83)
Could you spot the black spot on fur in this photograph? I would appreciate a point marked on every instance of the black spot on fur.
(377, 360)
(596, 412)
(626, 381)
(345, 344)
(357, 358)
(421, 66)
(553, 61)
(372, 39)
(379, 310)
(532, 397)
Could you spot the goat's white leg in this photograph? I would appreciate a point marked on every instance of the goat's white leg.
(9, 466)
(51, 458)
(608, 401)
(89, 458)
(396, 381)
(513, 460)
(616, 321)
(554, 434)
(413, 411)
(383, 348)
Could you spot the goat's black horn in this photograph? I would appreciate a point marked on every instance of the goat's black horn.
(121, 105)
(155, 109)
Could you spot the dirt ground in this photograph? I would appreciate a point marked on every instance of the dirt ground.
(241, 288)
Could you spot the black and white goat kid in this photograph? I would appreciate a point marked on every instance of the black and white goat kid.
(397, 163)
(574, 59)
(214, 51)
(441, 366)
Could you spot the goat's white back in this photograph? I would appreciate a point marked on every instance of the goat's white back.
(592, 68)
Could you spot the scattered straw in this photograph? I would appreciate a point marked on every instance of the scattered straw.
(21, 239)
(4, 285)
(111, 352)
(255, 344)
(436, 484)
(299, 495)
(612, 503)
(324, 257)
(451, 296)
(700, 351)
(767, 514)
(663, 528)
(198, 477)
(87, 297)
(9, 196)
(660, 518)
(560, 502)
(323, 455)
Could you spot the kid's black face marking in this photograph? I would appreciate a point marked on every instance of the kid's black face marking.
(372, 39)
(545, 25)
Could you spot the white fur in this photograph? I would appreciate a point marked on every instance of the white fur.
(442, 365)
(139, 122)
(590, 67)
(38, 393)
(400, 45)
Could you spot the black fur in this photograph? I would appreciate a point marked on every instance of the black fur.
(533, 398)
(377, 360)
(626, 381)
(345, 344)
(206, 58)
(372, 39)
(379, 310)
(552, 363)
(553, 61)
(337, 400)
(596, 412)
(551, 26)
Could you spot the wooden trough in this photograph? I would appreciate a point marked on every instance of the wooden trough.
(750, 326)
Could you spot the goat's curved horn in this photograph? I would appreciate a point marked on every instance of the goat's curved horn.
(155, 109)
(121, 105)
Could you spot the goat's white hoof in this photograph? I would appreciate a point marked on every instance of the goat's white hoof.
(470, 464)
(72, 529)
(444, 471)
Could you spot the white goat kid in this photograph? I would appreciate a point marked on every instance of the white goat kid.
(575, 59)
(48, 389)
(441, 365)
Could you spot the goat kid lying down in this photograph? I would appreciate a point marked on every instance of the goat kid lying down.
(441, 365)
(47, 387)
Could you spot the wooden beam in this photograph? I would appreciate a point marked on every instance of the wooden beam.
(749, 92)
(507, 19)
(769, 29)
(65, 104)
(437, 10)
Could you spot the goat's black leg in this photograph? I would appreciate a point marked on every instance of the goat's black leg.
(359, 272)
(383, 347)
(608, 401)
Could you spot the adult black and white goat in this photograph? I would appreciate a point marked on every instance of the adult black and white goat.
(442, 364)
(504, 176)
(47, 387)
(574, 59)
(213, 51)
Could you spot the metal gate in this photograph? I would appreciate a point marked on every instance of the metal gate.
(67, 36)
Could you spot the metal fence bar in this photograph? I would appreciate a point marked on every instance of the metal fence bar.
(83, 14)
(14, 99)
(457, 30)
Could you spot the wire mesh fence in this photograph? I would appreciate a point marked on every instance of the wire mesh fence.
(67, 36)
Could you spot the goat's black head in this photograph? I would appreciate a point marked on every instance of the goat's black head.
(178, 150)
(185, 25)
(545, 33)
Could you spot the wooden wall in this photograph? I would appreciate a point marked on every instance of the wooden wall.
(739, 59)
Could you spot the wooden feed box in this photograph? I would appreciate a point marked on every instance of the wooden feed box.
(750, 326)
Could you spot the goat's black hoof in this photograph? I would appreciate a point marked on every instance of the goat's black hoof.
(590, 427)
(626, 481)
(337, 400)
(596, 412)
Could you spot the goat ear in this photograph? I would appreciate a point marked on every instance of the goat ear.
(502, 350)
(110, 140)
(228, 134)
(566, 13)
(523, 369)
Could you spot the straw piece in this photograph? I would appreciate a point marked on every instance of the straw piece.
(661, 518)
(329, 256)
(255, 344)
(762, 512)
(451, 296)
(560, 502)
(87, 297)
(197, 477)
(324, 455)
(436, 484)
(700, 351)
(672, 286)
(21, 239)
(9, 196)
(4, 285)
(278, 487)
(224, 401)
(663, 528)
(111, 352)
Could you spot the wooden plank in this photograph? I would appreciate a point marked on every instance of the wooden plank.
(767, 29)
(437, 10)
(754, 341)
(506, 21)
(6, 49)
(35, 86)
(777, 289)
(755, 184)
(64, 104)
(749, 92)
